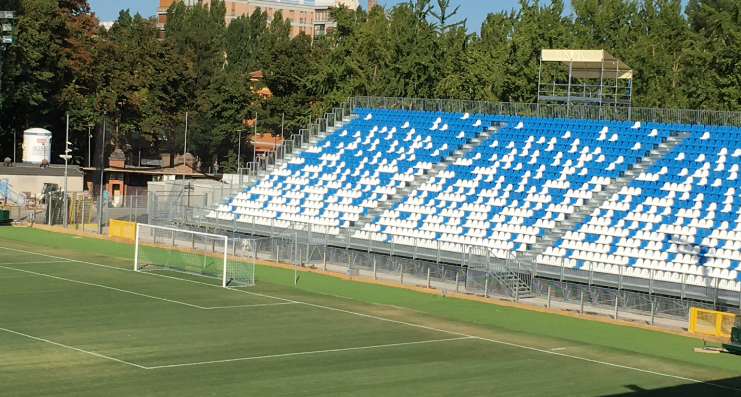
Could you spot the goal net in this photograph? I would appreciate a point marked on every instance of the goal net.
(210, 255)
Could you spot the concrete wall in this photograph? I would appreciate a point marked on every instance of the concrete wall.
(35, 183)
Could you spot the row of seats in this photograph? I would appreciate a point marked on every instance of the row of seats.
(680, 216)
(528, 162)
(357, 167)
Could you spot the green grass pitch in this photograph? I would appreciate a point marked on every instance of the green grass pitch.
(76, 320)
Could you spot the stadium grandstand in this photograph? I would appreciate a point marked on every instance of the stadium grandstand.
(627, 204)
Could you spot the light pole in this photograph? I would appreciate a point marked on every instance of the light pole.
(254, 143)
(7, 38)
(66, 157)
(185, 150)
(239, 151)
(102, 172)
(89, 137)
(15, 144)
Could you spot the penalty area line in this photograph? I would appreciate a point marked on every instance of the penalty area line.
(255, 305)
(72, 348)
(708, 383)
(33, 263)
(145, 295)
(308, 352)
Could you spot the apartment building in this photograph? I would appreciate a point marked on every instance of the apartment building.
(323, 23)
(300, 12)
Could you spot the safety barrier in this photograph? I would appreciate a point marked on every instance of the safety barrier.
(123, 229)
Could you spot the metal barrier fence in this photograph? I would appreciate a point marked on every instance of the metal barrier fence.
(469, 257)
(576, 111)
(302, 245)
(87, 212)
(712, 291)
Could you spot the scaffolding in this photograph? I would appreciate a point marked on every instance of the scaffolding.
(583, 76)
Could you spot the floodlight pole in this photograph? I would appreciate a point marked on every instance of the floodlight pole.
(15, 145)
(66, 164)
(102, 172)
(254, 142)
(89, 137)
(239, 151)
(5, 39)
(185, 149)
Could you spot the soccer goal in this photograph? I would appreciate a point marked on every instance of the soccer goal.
(210, 255)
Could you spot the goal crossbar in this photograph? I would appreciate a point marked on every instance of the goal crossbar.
(203, 254)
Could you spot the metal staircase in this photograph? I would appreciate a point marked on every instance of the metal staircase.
(431, 173)
(598, 199)
(299, 146)
(8, 194)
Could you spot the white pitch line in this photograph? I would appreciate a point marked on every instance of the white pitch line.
(65, 259)
(145, 295)
(309, 352)
(103, 286)
(149, 274)
(558, 348)
(430, 328)
(32, 263)
(255, 305)
(73, 348)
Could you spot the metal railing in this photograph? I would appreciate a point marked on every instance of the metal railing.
(580, 111)
(83, 211)
(8, 195)
(712, 291)
(470, 257)
(300, 246)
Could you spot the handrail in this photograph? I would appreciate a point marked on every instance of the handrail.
(576, 111)
(14, 196)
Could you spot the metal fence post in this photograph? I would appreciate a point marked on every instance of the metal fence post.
(456, 281)
(324, 260)
(277, 254)
(617, 299)
(401, 273)
(83, 213)
(486, 287)
(428, 277)
(375, 275)
(653, 308)
(581, 298)
(549, 296)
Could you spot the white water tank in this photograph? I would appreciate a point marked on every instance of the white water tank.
(36, 145)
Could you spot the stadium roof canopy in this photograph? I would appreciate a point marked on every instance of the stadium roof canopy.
(590, 64)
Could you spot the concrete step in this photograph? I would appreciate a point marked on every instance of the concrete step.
(431, 173)
(599, 198)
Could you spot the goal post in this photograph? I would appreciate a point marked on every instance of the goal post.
(232, 261)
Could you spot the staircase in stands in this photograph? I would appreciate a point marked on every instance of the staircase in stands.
(578, 216)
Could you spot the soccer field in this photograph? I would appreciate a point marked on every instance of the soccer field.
(76, 320)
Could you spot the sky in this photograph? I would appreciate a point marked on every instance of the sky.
(473, 10)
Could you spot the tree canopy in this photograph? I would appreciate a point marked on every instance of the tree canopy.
(145, 80)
